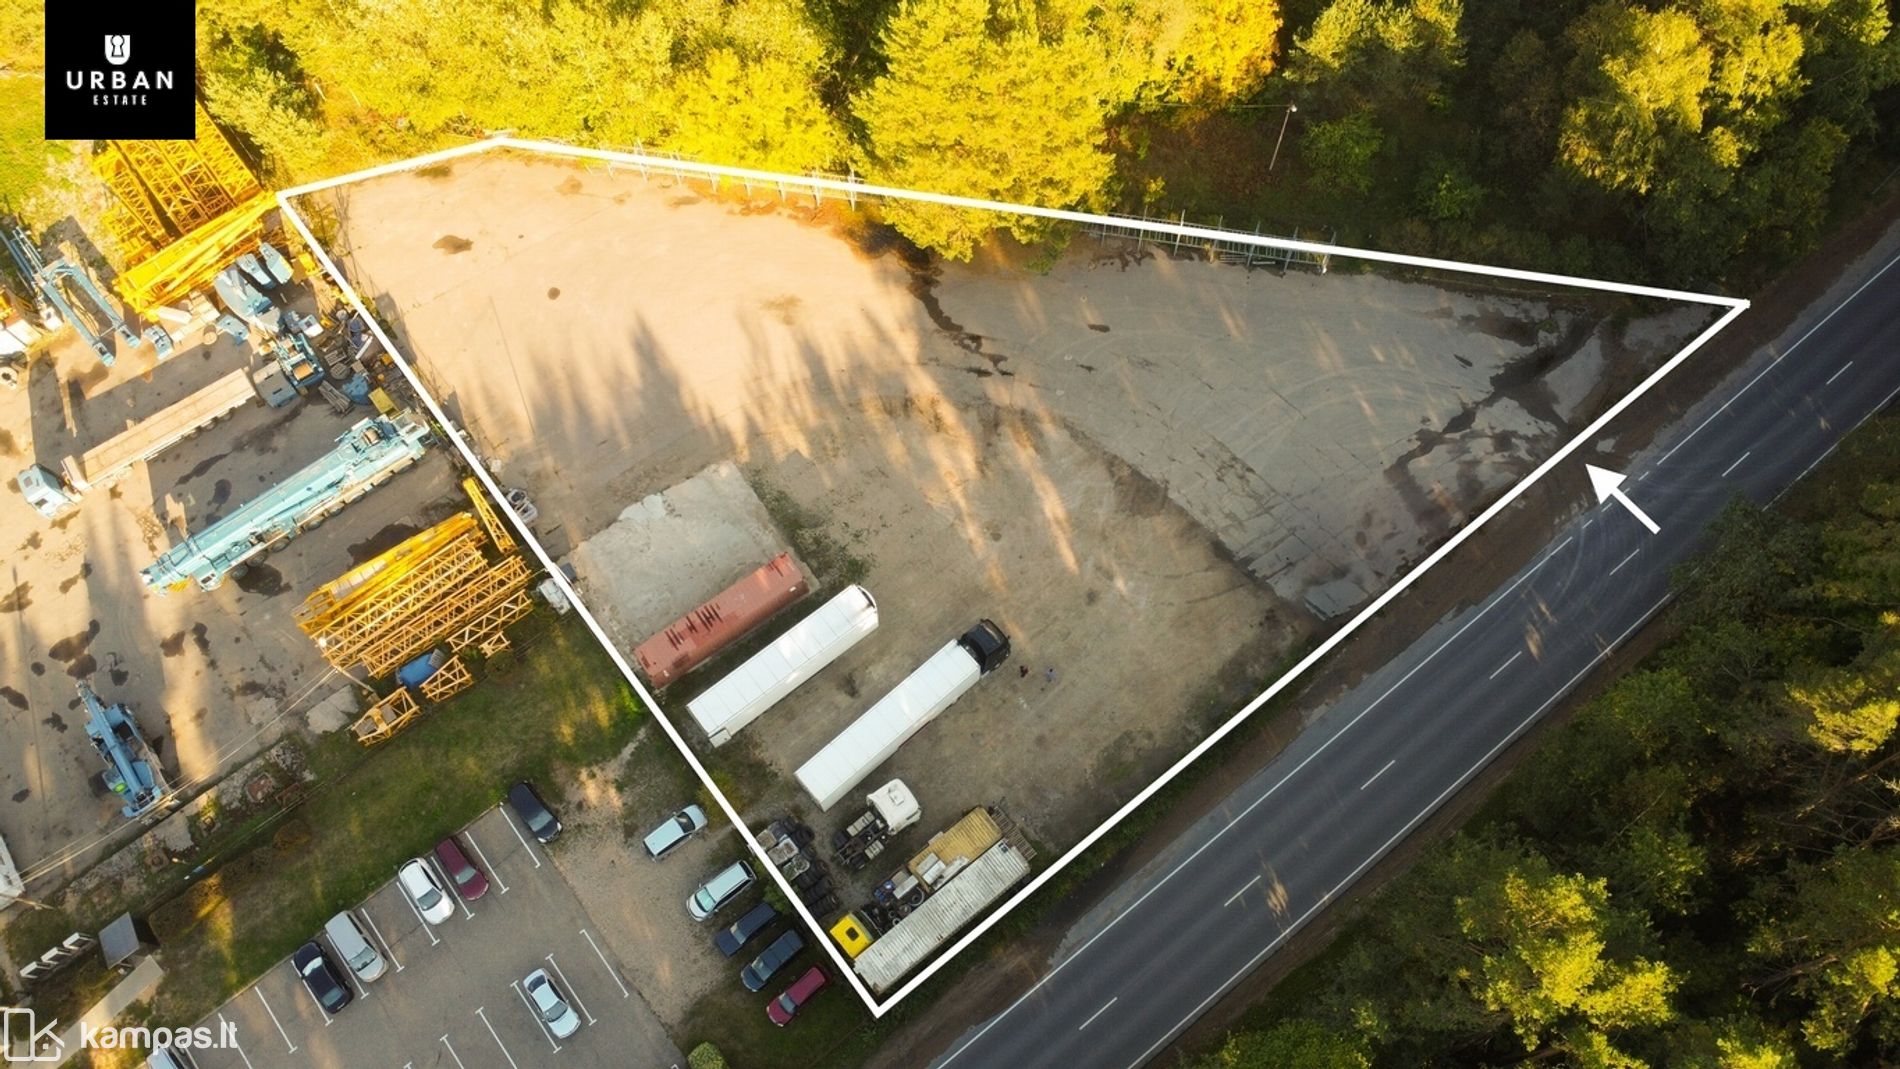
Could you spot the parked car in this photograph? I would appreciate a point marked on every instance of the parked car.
(782, 1009)
(468, 880)
(425, 891)
(548, 1001)
(320, 975)
(732, 939)
(353, 946)
(717, 893)
(171, 1058)
(771, 960)
(541, 821)
(678, 828)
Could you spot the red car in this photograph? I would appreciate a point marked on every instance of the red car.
(468, 880)
(783, 1008)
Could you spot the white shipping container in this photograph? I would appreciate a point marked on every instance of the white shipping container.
(875, 736)
(901, 950)
(777, 670)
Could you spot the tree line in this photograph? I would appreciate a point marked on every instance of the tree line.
(1676, 141)
(1701, 870)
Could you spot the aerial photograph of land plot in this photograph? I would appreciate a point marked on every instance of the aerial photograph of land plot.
(949, 534)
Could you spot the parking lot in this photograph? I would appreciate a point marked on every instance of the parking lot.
(451, 995)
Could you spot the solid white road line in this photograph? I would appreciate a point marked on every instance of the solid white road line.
(1382, 771)
(239, 1047)
(486, 867)
(1508, 663)
(1737, 464)
(1380, 853)
(1625, 560)
(532, 1012)
(1838, 373)
(274, 1020)
(1242, 891)
(452, 1054)
(509, 817)
(571, 991)
(364, 910)
(1099, 1012)
(624, 993)
(480, 1012)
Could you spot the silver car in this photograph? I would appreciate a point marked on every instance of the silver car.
(547, 1000)
(678, 828)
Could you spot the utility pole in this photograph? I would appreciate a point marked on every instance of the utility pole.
(1284, 119)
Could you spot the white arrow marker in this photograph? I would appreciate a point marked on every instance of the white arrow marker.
(1609, 484)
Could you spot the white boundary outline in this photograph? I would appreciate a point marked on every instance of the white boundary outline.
(1735, 306)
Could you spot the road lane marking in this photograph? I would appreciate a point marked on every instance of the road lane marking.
(1242, 891)
(379, 936)
(481, 1012)
(624, 993)
(1838, 374)
(1381, 772)
(490, 869)
(239, 1047)
(536, 1014)
(1776, 361)
(571, 991)
(1737, 464)
(1430, 808)
(1099, 1012)
(452, 1054)
(1508, 663)
(274, 1020)
(1625, 560)
(505, 815)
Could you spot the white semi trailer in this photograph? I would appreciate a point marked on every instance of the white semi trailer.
(727, 706)
(875, 736)
(948, 910)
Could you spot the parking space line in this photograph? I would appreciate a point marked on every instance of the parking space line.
(274, 1020)
(480, 1012)
(524, 841)
(448, 885)
(427, 928)
(569, 984)
(486, 867)
(313, 998)
(364, 910)
(227, 1026)
(452, 1054)
(624, 993)
(516, 984)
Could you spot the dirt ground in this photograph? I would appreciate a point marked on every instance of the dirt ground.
(1156, 474)
(213, 677)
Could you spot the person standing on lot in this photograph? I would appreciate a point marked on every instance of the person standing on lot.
(1048, 676)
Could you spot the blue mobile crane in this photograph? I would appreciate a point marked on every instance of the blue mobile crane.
(131, 772)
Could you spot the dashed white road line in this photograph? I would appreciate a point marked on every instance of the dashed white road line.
(1625, 560)
(1737, 464)
(274, 1020)
(624, 993)
(1243, 890)
(1508, 663)
(1382, 771)
(505, 815)
(571, 991)
(482, 1013)
(1842, 370)
(379, 936)
(1099, 1012)
(239, 1047)
(452, 1054)
(486, 867)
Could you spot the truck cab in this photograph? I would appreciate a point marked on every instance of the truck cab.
(45, 491)
(986, 644)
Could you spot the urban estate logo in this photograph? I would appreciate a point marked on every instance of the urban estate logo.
(23, 1041)
(117, 91)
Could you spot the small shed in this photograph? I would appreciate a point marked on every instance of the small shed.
(126, 942)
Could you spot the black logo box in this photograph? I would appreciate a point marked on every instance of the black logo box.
(148, 93)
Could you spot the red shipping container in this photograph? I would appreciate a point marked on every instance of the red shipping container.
(691, 639)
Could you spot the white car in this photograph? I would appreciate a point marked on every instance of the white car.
(556, 1014)
(425, 891)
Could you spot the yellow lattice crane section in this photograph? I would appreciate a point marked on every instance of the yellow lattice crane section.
(380, 576)
(471, 602)
(386, 717)
(497, 531)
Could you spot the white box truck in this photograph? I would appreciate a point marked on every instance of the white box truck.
(775, 671)
(875, 736)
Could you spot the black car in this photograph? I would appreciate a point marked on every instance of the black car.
(320, 975)
(783, 949)
(541, 821)
(730, 940)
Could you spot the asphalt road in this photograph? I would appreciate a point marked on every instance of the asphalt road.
(1367, 772)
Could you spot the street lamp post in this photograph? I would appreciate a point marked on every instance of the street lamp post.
(1284, 119)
